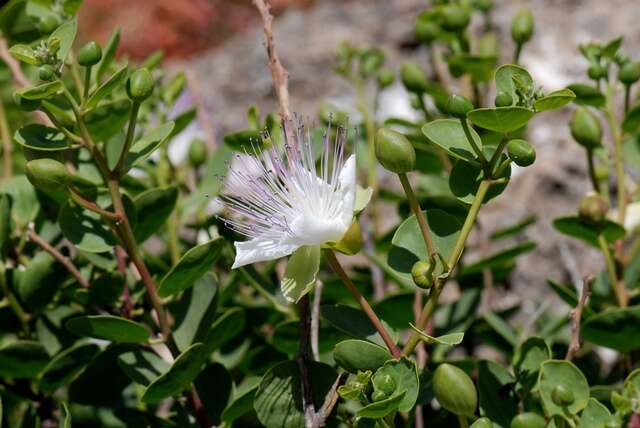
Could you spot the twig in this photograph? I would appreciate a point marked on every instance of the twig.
(421, 353)
(127, 305)
(315, 320)
(65, 261)
(303, 359)
(576, 316)
(330, 400)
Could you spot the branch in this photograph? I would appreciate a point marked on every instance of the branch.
(576, 317)
(303, 359)
(330, 400)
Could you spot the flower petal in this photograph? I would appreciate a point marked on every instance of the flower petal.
(260, 250)
(347, 182)
(301, 272)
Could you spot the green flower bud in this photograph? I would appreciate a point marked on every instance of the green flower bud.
(413, 78)
(482, 423)
(370, 61)
(522, 26)
(197, 152)
(596, 71)
(561, 396)
(394, 152)
(140, 85)
(47, 174)
(385, 77)
(593, 208)
(421, 274)
(484, 5)
(585, 128)
(528, 420)
(48, 24)
(384, 383)
(521, 152)
(458, 106)
(426, 30)
(46, 72)
(503, 99)
(455, 18)
(90, 54)
(455, 390)
(629, 72)
(378, 395)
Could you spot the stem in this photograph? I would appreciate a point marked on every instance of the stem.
(22, 316)
(432, 301)
(377, 324)
(627, 98)
(516, 54)
(474, 146)
(87, 81)
(496, 156)
(417, 211)
(616, 285)
(75, 74)
(303, 358)
(423, 107)
(617, 138)
(65, 261)
(592, 171)
(118, 170)
(7, 144)
(462, 420)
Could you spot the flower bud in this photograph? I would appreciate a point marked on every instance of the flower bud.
(458, 106)
(426, 31)
(561, 396)
(197, 152)
(503, 99)
(593, 208)
(421, 274)
(522, 26)
(482, 423)
(90, 54)
(385, 77)
(455, 390)
(378, 395)
(585, 128)
(46, 72)
(394, 152)
(384, 383)
(596, 71)
(521, 152)
(528, 420)
(413, 78)
(629, 72)
(484, 5)
(47, 174)
(140, 85)
(455, 18)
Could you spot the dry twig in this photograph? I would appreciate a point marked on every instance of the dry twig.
(576, 317)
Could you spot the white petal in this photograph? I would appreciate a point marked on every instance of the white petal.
(347, 181)
(260, 250)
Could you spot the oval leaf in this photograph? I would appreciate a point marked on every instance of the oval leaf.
(587, 95)
(355, 355)
(108, 327)
(449, 135)
(576, 228)
(154, 207)
(554, 100)
(501, 119)
(562, 373)
(506, 77)
(41, 91)
(22, 360)
(614, 328)
(142, 149)
(107, 87)
(66, 365)
(41, 138)
(85, 229)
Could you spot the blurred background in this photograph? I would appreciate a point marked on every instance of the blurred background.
(218, 43)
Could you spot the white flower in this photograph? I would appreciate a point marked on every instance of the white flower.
(291, 206)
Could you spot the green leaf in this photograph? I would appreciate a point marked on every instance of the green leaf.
(214, 385)
(595, 415)
(37, 285)
(563, 373)
(465, 179)
(587, 95)
(85, 229)
(108, 327)
(226, 327)
(450, 339)
(66, 33)
(501, 327)
(142, 365)
(107, 87)
(631, 122)
(24, 53)
(497, 399)
(353, 322)
(66, 365)
(108, 120)
(528, 358)
(301, 272)
(109, 54)
(354, 355)
(569, 296)
(554, 100)
(405, 376)
(22, 360)
(179, 377)
(514, 229)
(41, 138)
(278, 400)
(5, 224)
(506, 76)
(286, 337)
(408, 245)
(24, 202)
(45, 90)
(501, 119)
(154, 206)
(382, 408)
(576, 228)
(242, 141)
(479, 67)
(449, 135)
(191, 267)
(183, 120)
(615, 328)
(498, 259)
(142, 149)
(242, 401)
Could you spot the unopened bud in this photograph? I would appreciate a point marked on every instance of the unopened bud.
(521, 152)
(394, 152)
(140, 85)
(528, 420)
(458, 106)
(47, 174)
(586, 128)
(561, 396)
(90, 54)
(455, 390)
(421, 272)
(522, 26)
(413, 78)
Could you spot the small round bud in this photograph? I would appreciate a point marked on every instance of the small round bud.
(370, 61)
(413, 78)
(455, 18)
(503, 99)
(561, 396)
(426, 30)
(522, 26)
(394, 152)
(384, 383)
(46, 72)
(528, 420)
(585, 128)
(378, 395)
(385, 78)
(458, 106)
(48, 24)
(90, 54)
(484, 5)
(596, 71)
(482, 423)
(455, 390)
(521, 152)
(140, 85)
(593, 208)
(197, 152)
(421, 274)
(47, 174)
(629, 72)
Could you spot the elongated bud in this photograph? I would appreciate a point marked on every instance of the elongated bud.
(413, 78)
(629, 72)
(503, 99)
(585, 128)
(528, 420)
(521, 152)
(394, 152)
(197, 152)
(593, 208)
(140, 85)
(421, 272)
(596, 71)
(385, 78)
(455, 18)
(561, 396)
(46, 72)
(522, 26)
(47, 174)
(455, 390)
(482, 423)
(426, 31)
(90, 54)
(458, 106)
